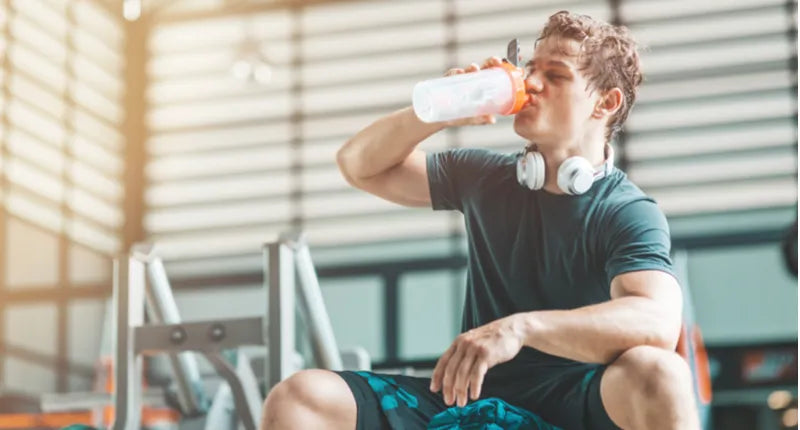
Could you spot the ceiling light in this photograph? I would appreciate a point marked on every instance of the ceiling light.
(242, 70)
(262, 73)
(132, 9)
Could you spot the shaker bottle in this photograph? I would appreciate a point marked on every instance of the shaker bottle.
(496, 90)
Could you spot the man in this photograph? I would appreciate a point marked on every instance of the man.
(572, 311)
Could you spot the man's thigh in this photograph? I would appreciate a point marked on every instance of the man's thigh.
(567, 396)
(392, 401)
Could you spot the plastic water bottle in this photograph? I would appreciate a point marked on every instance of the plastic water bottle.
(496, 90)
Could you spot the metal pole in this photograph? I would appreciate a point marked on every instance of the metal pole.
(323, 342)
(129, 309)
(242, 382)
(279, 259)
(162, 309)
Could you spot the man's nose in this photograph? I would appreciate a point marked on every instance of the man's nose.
(533, 84)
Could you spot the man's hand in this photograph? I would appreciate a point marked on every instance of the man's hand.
(465, 363)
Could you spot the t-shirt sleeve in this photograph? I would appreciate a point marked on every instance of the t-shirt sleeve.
(454, 173)
(637, 238)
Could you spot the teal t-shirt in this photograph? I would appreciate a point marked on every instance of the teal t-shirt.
(534, 250)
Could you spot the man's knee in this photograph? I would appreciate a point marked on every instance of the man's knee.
(298, 389)
(308, 396)
(653, 371)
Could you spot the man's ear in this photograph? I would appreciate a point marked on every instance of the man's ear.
(609, 103)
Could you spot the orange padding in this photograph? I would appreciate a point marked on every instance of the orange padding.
(703, 366)
(692, 338)
(150, 417)
(56, 420)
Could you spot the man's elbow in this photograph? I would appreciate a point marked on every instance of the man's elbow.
(667, 332)
(347, 164)
(662, 341)
(661, 323)
(661, 336)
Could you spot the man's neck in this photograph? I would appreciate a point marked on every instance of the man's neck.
(554, 156)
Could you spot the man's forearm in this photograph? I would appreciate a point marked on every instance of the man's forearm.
(384, 144)
(600, 333)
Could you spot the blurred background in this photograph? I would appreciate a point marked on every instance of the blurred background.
(208, 127)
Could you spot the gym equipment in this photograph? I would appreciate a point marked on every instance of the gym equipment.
(285, 261)
(690, 344)
(135, 339)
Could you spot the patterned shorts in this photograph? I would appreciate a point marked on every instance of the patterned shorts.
(567, 397)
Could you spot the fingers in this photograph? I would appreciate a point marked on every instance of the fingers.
(463, 373)
(474, 67)
(477, 373)
(492, 62)
(460, 371)
(456, 71)
(453, 71)
(463, 378)
(482, 120)
(438, 371)
(448, 382)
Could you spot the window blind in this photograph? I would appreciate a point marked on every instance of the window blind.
(233, 163)
(62, 112)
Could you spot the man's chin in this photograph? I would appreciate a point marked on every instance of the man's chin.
(526, 130)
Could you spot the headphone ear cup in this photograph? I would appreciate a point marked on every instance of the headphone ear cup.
(530, 170)
(521, 170)
(575, 175)
(534, 166)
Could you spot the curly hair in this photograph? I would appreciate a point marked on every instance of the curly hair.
(608, 57)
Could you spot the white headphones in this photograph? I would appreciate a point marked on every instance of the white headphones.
(575, 175)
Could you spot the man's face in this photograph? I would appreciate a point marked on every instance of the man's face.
(561, 107)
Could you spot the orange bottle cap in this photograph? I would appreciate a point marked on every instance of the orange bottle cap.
(517, 77)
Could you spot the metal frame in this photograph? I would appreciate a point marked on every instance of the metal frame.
(286, 261)
(284, 258)
(162, 310)
(279, 283)
(167, 334)
(129, 306)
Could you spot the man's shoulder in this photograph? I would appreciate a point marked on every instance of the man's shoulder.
(622, 197)
(619, 189)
